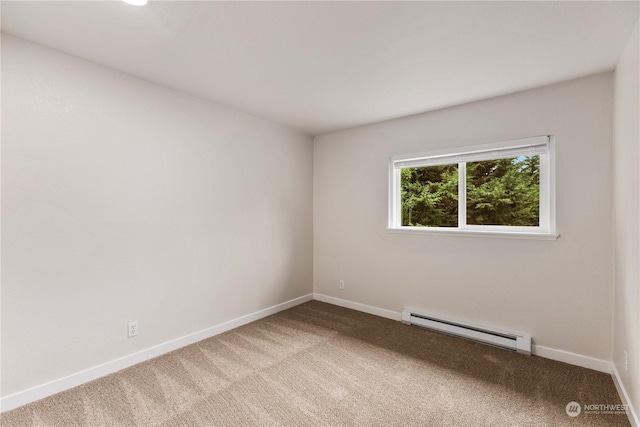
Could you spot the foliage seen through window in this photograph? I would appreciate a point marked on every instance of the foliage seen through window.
(502, 192)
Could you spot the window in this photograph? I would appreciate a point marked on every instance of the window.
(500, 190)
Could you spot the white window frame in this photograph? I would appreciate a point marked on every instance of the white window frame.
(543, 146)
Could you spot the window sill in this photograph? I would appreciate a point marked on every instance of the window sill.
(475, 233)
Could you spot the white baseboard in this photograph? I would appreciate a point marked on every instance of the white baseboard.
(381, 312)
(624, 396)
(39, 392)
(572, 358)
(546, 352)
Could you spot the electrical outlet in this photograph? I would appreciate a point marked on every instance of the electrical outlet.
(626, 361)
(132, 329)
(341, 284)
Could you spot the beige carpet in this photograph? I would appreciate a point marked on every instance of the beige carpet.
(322, 365)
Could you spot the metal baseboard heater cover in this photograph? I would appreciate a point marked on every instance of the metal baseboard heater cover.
(508, 340)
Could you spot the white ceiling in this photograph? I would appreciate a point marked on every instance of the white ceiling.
(324, 66)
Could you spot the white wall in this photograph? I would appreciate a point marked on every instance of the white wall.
(558, 291)
(627, 219)
(123, 200)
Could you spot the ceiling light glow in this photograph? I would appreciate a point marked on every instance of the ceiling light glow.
(136, 2)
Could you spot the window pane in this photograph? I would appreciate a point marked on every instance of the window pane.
(504, 192)
(429, 196)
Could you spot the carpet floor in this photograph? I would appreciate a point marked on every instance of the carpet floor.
(321, 365)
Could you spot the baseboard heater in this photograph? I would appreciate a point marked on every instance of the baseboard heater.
(508, 340)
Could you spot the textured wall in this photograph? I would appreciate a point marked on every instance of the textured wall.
(557, 291)
(122, 201)
(627, 219)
